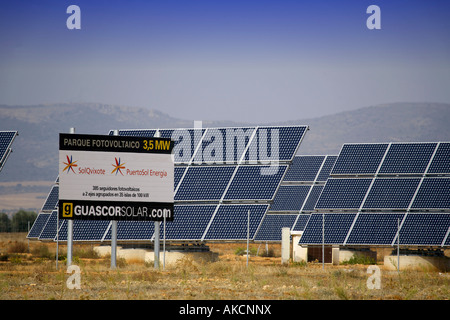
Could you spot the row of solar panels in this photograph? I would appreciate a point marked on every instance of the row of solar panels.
(378, 229)
(229, 145)
(385, 194)
(306, 183)
(373, 187)
(192, 223)
(210, 185)
(301, 191)
(6, 140)
(393, 159)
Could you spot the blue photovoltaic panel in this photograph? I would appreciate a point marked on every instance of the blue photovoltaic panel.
(85, 230)
(268, 140)
(326, 168)
(133, 231)
(230, 221)
(178, 174)
(289, 198)
(343, 193)
(310, 203)
(304, 168)
(300, 224)
(49, 230)
(336, 226)
(434, 193)
(204, 183)
(51, 202)
(255, 182)
(408, 158)
(189, 223)
(6, 139)
(38, 225)
(441, 160)
(225, 145)
(375, 228)
(270, 229)
(135, 133)
(359, 159)
(185, 143)
(424, 229)
(391, 193)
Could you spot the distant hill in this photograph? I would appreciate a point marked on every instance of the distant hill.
(35, 150)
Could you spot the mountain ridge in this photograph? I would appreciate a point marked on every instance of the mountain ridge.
(35, 150)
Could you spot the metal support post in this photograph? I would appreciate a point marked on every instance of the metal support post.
(114, 234)
(156, 247)
(113, 244)
(248, 233)
(69, 231)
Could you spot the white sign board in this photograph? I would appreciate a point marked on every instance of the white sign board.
(115, 178)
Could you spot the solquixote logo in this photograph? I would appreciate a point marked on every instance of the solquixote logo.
(70, 164)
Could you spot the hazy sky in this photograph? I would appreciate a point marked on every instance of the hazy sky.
(256, 61)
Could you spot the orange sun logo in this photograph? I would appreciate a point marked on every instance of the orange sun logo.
(69, 164)
(118, 167)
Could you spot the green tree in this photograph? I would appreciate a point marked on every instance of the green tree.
(20, 220)
(5, 223)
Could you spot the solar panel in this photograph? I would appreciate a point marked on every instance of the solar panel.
(255, 182)
(177, 175)
(424, 229)
(407, 158)
(190, 222)
(203, 183)
(6, 140)
(336, 227)
(133, 231)
(135, 133)
(357, 159)
(290, 198)
(49, 230)
(314, 195)
(434, 193)
(225, 145)
(230, 221)
(440, 163)
(270, 229)
(275, 143)
(38, 225)
(304, 168)
(343, 193)
(85, 230)
(51, 202)
(391, 193)
(374, 228)
(326, 168)
(300, 223)
(186, 142)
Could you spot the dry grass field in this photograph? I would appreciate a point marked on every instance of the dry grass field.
(28, 272)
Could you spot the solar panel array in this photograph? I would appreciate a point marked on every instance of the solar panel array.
(380, 192)
(296, 197)
(6, 140)
(220, 174)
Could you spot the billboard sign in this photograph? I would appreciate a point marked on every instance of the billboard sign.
(115, 178)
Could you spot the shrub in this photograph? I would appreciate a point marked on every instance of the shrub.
(360, 259)
(42, 251)
(18, 247)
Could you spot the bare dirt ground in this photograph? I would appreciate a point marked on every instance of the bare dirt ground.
(28, 272)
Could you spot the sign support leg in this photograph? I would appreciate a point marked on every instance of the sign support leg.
(113, 244)
(69, 231)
